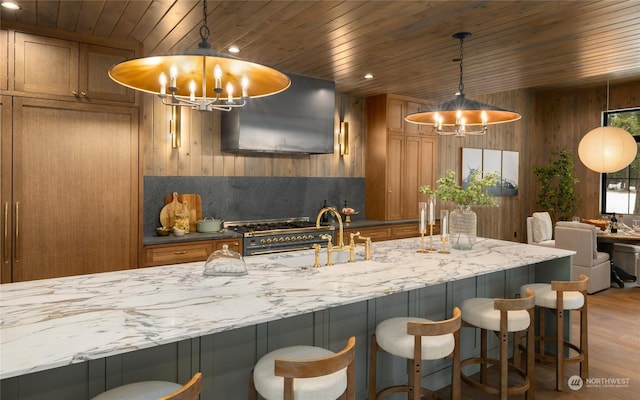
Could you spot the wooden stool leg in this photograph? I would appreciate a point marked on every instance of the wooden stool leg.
(541, 331)
(483, 354)
(559, 350)
(455, 368)
(504, 356)
(373, 368)
(584, 342)
(531, 358)
(253, 394)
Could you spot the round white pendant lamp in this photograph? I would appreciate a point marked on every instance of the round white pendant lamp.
(607, 149)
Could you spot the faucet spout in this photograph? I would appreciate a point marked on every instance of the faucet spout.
(340, 226)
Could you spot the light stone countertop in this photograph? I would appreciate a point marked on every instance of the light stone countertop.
(56, 322)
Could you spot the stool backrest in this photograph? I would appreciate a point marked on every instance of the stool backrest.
(524, 303)
(435, 328)
(190, 391)
(313, 367)
(580, 285)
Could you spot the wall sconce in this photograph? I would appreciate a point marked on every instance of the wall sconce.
(174, 127)
(343, 138)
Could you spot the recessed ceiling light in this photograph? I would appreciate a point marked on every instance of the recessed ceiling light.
(10, 5)
(234, 49)
(368, 76)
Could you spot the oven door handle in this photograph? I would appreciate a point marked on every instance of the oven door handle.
(281, 250)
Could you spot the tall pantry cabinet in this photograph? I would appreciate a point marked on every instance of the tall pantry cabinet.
(70, 175)
(400, 157)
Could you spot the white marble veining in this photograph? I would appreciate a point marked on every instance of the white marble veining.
(56, 322)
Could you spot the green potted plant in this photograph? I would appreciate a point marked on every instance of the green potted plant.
(462, 220)
(556, 185)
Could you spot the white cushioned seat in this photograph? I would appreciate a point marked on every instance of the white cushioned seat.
(147, 390)
(392, 337)
(545, 297)
(480, 312)
(271, 387)
(540, 230)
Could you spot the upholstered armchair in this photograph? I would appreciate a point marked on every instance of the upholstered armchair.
(583, 239)
(540, 229)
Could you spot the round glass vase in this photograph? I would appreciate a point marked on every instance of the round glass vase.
(463, 222)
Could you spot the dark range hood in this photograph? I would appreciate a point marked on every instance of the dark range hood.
(298, 120)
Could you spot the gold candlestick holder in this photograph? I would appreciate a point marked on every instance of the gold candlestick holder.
(431, 248)
(422, 249)
(444, 241)
(444, 230)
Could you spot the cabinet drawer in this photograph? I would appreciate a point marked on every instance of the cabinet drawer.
(405, 231)
(376, 234)
(233, 244)
(177, 253)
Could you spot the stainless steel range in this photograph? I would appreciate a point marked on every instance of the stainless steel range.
(278, 235)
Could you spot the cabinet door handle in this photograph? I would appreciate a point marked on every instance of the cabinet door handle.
(179, 252)
(17, 236)
(6, 233)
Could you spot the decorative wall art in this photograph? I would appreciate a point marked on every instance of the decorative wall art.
(502, 162)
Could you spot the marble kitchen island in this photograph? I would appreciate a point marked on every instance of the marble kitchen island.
(70, 338)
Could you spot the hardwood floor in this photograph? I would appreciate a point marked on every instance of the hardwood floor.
(614, 353)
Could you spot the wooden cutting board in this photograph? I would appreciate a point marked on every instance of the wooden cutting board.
(168, 212)
(193, 204)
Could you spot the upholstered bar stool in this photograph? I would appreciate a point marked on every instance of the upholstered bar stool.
(502, 316)
(416, 339)
(558, 297)
(328, 375)
(155, 390)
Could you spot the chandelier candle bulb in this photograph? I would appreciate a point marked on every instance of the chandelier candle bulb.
(163, 83)
(192, 90)
(245, 86)
(217, 74)
(173, 73)
(230, 92)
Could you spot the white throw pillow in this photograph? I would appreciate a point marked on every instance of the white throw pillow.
(542, 227)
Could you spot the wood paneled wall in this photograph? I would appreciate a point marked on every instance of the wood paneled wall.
(562, 118)
(200, 154)
(552, 120)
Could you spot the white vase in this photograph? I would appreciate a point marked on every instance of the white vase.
(463, 223)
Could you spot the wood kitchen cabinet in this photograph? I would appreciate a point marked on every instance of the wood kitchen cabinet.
(69, 188)
(400, 157)
(50, 66)
(4, 60)
(183, 252)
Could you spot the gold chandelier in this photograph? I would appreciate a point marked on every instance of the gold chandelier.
(184, 79)
(462, 116)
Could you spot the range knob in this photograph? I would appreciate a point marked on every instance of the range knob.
(287, 239)
(299, 237)
(281, 240)
(292, 238)
(269, 240)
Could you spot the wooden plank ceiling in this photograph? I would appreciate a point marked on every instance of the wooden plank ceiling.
(406, 45)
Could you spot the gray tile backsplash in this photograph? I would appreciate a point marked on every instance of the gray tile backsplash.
(245, 198)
